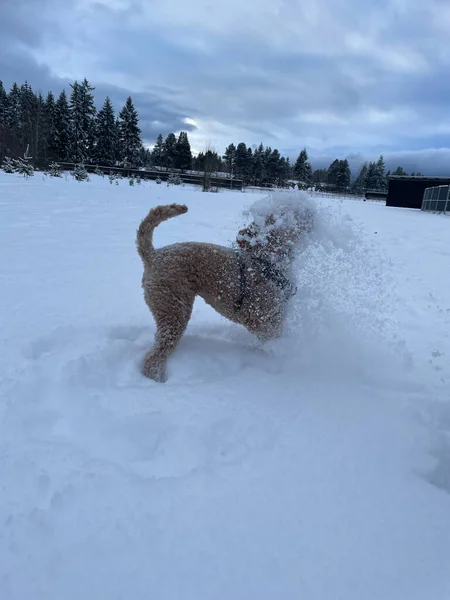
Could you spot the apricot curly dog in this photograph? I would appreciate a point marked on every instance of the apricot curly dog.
(249, 285)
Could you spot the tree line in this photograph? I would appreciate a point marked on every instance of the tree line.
(69, 128)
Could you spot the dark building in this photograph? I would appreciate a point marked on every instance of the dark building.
(406, 191)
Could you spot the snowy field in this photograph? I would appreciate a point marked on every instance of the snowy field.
(314, 468)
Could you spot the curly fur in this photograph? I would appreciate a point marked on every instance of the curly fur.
(174, 275)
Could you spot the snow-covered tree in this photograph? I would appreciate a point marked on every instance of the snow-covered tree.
(381, 182)
(59, 146)
(28, 117)
(130, 133)
(46, 143)
(302, 167)
(3, 121)
(82, 121)
(106, 135)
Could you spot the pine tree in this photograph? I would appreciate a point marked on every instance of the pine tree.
(339, 174)
(130, 134)
(399, 171)
(183, 155)
(13, 122)
(170, 151)
(105, 126)
(284, 171)
(345, 175)
(41, 133)
(28, 118)
(145, 157)
(249, 167)
(333, 173)
(273, 166)
(258, 171)
(302, 168)
(241, 162)
(3, 124)
(372, 176)
(320, 176)
(82, 119)
(360, 184)
(381, 174)
(229, 157)
(120, 152)
(50, 131)
(59, 147)
(158, 151)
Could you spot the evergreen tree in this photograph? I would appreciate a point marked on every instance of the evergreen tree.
(320, 176)
(360, 184)
(41, 133)
(28, 119)
(3, 119)
(273, 166)
(284, 170)
(46, 142)
(399, 171)
(241, 162)
(339, 174)
(13, 122)
(229, 157)
(249, 167)
(258, 170)
(145, 157)
(372, 176)
(302, 168)
(183, 159)
(333, 173)
(82, 120)
(119, 153)
(158, 151)
(381, 174)
(59, 146)
(130, 133)
(345, 175)
(3, 103)
(106, 146)
(170, 151)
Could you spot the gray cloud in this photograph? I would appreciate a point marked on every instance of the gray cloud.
(336, 76)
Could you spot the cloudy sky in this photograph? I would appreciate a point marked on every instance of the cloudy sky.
(345, 78)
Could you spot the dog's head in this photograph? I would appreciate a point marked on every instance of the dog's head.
(276, 228)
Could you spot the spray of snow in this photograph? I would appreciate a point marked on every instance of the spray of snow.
(338, 320)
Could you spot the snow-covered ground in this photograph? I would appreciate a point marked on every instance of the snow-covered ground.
(315, 468)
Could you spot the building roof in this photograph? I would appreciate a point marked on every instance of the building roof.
(420, 177)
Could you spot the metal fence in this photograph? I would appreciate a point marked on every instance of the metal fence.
(437, 199)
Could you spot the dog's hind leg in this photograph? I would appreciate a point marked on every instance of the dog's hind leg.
(171, 311)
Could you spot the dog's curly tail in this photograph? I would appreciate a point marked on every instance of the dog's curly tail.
(157, 215)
